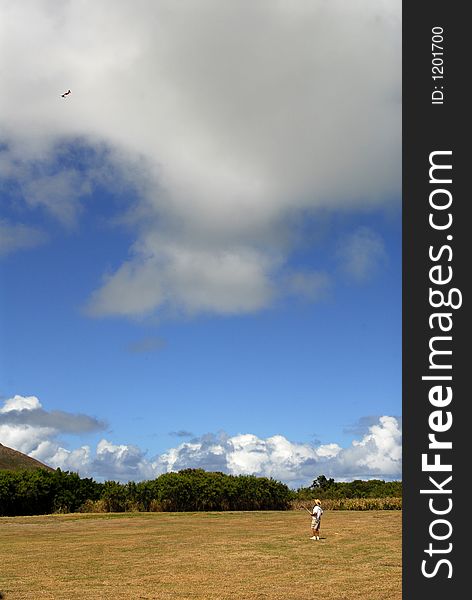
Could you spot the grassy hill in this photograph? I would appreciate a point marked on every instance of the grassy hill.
(12, 460)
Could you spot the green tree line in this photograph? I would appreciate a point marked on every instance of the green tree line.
(45, 492)
(324, 488)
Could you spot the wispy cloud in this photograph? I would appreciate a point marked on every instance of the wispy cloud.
(58, 420)
(362, 426)
(361, 254)
(308, 285)
(181, 433)
(17, 236)
(60, 178)
(146, 345)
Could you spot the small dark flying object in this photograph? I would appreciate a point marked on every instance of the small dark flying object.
(65, 94)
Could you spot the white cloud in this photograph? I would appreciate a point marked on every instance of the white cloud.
(122, 462)
(27, 411)
(189, 280)
(379, 451)
(227, 117)
(22, 437)
(20, 403)
(27, 427)
(68, 460)
(377, 454)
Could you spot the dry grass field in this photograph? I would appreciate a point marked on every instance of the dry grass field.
(200, 556)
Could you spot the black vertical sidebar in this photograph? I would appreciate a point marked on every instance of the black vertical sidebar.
(437, 258)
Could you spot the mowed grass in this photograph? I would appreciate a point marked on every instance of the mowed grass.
(200, 556)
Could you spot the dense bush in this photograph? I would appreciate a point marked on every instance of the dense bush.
(195, 489)
(324, 488)
(42, 492)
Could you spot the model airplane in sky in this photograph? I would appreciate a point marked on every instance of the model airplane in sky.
(65, 94)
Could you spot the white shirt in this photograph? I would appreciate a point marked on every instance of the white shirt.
(317, 511)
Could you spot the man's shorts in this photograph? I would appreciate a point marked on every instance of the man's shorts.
(315, 523)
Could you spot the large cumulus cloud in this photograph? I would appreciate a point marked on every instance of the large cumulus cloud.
(26, 426)
(377, 454)
(226, 119)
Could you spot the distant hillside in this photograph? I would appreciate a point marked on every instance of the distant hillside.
(12, 460)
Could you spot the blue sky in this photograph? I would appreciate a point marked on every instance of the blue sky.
(203, 273)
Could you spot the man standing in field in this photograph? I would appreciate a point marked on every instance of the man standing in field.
(316, 519)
